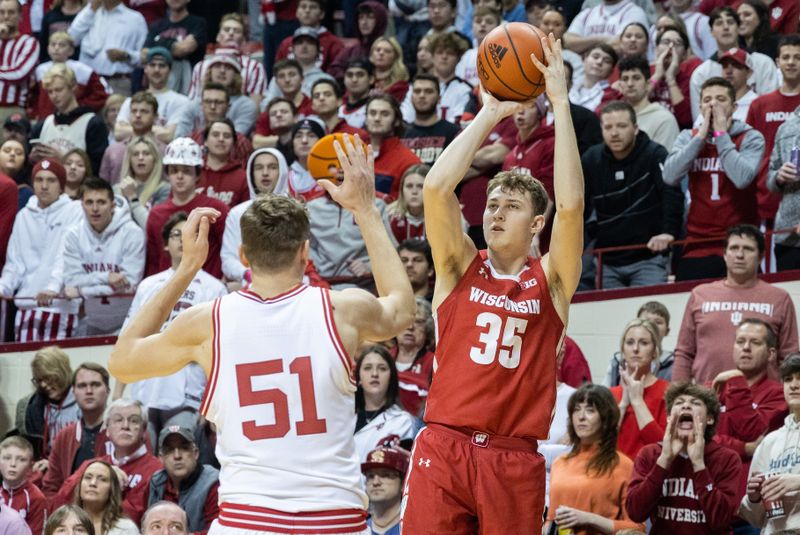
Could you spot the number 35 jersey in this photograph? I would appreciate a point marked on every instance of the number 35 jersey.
(281, 394)
(497, 341)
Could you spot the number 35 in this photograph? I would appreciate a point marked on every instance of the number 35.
(510, 344)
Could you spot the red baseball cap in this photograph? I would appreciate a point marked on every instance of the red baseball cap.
(736, 55)
(382, 457)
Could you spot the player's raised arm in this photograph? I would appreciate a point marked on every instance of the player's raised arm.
(141, 350)
(392, 312)
(452, 249)
(563, 262)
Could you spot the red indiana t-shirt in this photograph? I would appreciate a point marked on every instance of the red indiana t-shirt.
(498, 337)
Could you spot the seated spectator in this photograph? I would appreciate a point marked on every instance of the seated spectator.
(58, 19)
(721, 159)
(99, 493)
(71, 125)
(13, 163)
(385, 469)
(111, 36)
(171, 104)
(310, 14)
(671, 74)
(358, 80)
(424, 56)
(40, 416)
(392, 159)
(274, 126)
(736, 71)
(574, 370)
(589, 485)
(701, 41)
(773, 476)
(38, 231)
(754, 28)
(651, 117)
(267, 172)
(215, 107)
(173, 399)
(139, 122)
(102, 256)
(724, 22)
(554, 21)
(222, 176)
(69, 519)
(183, 162)
(484, 20)
(141, 178)
(306, 52)
(17, 490)
(82, 440)
(16, 127)
(594, 91)
(371, 24)
(427, 134)
(109, 113)
(232, 34)
(167, 516)
(304, 135)
(225, 69)
(414, 359)
(630, 202)
(657, 314)
(21, 53)
(633, 43)
(183, 36)
(602, 24)
(406, 214)
(640, 393)
(326, 99)
(183, 480)
(90, 90)
(288, 83)
(415, 254)
(11, 523)
(455, 93)
(126, 425)
(445, 16)
(377, 411)
(687, 484)
(715, 309)
(78, 167)
(391, 74)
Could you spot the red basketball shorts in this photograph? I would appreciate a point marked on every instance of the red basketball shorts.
(461, 483)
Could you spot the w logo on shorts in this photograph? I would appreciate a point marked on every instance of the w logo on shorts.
(480, 439)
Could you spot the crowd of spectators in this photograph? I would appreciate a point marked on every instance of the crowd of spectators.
(120, 117)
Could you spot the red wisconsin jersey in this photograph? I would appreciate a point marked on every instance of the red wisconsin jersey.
(716, 202)
(497, 341)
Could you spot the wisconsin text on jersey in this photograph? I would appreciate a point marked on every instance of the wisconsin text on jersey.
(741, 306)
(528, 306)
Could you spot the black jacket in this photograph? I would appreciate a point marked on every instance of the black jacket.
(629, 200)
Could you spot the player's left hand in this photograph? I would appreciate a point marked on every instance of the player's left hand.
(695, 449)
(554, 73)
(357, 191)
(194, 239)
(569, 517)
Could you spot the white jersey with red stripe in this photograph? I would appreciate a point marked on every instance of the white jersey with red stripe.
(254, 78)
(281, 393)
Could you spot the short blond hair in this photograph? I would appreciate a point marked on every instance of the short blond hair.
(51, 361)
(59, 70)
(516, 180)
(62, 36)
(17, 441)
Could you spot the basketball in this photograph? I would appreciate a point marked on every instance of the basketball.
(323, 163)
(504, 62)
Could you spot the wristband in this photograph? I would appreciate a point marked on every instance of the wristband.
(718, 133)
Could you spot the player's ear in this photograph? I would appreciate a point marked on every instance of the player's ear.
(242, 257)
(537, 224)
(304, 252)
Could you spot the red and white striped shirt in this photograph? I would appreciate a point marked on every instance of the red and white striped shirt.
(254, 79)
(18, 59)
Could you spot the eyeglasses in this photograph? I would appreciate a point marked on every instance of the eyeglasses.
(133, 421)
(668, 42)
(48, 380)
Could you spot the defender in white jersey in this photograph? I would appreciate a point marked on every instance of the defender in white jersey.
(280, 388)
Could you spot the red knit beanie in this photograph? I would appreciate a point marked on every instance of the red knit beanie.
(55, 167)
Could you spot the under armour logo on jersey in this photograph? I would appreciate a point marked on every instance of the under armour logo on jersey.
(425, 462)
(483, 273)
(496, 52)
(736, 318)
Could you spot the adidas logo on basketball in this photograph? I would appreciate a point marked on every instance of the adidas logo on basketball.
(496, 52)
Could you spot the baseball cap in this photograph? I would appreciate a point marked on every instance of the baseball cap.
(383, 457)
(184, 432)
(306, 31)
(165, 54)
(18, 122)
(228, 55)
(736, 55)
(308, 124)
(55, 167)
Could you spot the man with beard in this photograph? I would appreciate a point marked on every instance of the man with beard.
(385, 126)
(428, 135)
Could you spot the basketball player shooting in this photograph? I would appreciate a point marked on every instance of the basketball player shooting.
(280, 389)
(501, 316)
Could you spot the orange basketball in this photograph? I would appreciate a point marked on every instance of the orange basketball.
(504, 62)
(323, 164)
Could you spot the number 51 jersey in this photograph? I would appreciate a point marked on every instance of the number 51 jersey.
(497, 341)
(281, 394)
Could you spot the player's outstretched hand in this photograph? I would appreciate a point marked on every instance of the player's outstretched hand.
(554, 73)
(501, 108)
(194, 239)
(357, 190)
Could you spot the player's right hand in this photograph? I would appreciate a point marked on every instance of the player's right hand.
(501, 108)
(195, 238)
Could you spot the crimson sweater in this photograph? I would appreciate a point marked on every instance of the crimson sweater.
(8, 212)
(631, 438)
(390, 164)
(157, 257)
(679, 500)
(29, 502)
(228, 183)
(62, 456)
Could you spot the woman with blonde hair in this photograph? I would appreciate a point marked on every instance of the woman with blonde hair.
(99, 493)
(640, 393)
(141, 178)
(391, 74)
